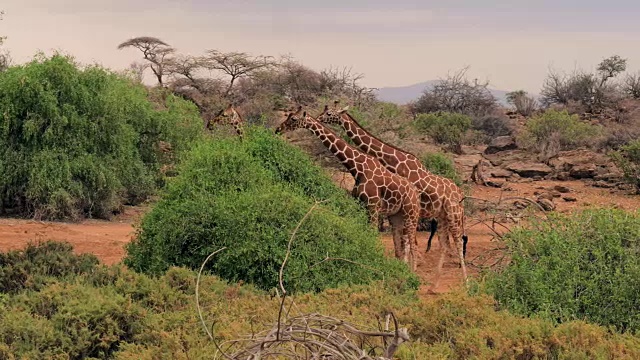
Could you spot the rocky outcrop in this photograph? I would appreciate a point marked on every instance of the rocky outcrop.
(501, 143)
(585, 164)
(529, 169)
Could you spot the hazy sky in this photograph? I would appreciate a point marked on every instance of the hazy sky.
(393, 42)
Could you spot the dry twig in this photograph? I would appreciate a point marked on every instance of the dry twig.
(309, 336)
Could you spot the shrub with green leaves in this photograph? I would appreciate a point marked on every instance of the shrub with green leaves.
(442, 165)
(115, 313)
(554, 131)
(78, 142)
(444, 127)
(628, 160)
(249, 195)
(584, 266)
(37, 264)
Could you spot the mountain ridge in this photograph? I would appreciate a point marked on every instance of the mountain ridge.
(404, 94)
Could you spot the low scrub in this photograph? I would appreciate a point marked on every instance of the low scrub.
(249, 195)
(113, 312)
(628, 159)
(585, 266)
(81, 142)
(442, 165)
(444, 127)
(554, 131)
(35, 266)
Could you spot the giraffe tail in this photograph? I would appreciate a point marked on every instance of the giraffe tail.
(432, 228)
(465, 238)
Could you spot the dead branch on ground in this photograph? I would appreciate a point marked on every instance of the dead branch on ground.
(308, 336)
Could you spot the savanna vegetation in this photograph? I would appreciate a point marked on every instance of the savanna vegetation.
(584, 266)
(249, 196)
(58, 305)
(83, 141)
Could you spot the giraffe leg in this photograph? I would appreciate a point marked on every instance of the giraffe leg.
(400, 246)
(443, 239)
(458, 239)
(410, 232)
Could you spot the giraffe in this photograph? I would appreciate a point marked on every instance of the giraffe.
(228, 116)
(382, 191)
(440, 198)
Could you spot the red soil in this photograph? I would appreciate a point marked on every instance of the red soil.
(106, 239)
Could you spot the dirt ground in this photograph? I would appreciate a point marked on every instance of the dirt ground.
(106, 239)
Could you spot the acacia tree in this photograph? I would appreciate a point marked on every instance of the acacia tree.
(235, 64)
(204, 92)
(155, 51)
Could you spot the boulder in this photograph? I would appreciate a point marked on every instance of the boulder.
(500, 173)
(466, 163)
(501, 143)
(562, 189)
(582, 164)
(603, 184)
(546, 195)
(529, 169)
(546, 204)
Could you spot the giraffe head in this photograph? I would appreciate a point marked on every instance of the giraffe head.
(332, 116)
(295, 120)
(225, 116)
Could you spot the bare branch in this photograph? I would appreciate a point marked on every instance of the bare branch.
(197, 291)
(457, 94)
(308, 336)
(632, 85)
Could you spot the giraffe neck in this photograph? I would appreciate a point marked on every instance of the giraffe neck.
(236, 122)
(338, 147)
(371, 144)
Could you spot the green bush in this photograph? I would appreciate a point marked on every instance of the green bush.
(442, 165)
(586, 266)
(39, 264)
(554, 131)
(80, 142)
(628, 160)
(444, 127)
(115, 313)
(249, 195)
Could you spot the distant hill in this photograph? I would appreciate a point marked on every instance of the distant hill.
(404, 94)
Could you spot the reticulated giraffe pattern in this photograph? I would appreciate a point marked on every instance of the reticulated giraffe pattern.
(228, 116)
(440, 198)
(382, 191)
